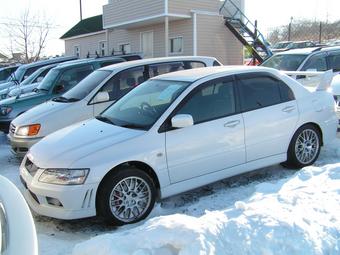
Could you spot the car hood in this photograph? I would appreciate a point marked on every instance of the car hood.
(22, 89)
(24, 97)
(64, 147)
(39, 112)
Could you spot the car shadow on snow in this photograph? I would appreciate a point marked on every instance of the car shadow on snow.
(220, 195)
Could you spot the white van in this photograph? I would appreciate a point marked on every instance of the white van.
(91, 96)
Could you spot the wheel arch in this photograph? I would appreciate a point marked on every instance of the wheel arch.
(138, 164)
(317, 126)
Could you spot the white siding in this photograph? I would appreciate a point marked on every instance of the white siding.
(120, 11)
(214, 39)
(87, 44)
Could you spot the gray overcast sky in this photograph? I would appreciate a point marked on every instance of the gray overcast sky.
(65, 13)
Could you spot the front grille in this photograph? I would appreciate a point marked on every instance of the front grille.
(31, 167)
(12, 129)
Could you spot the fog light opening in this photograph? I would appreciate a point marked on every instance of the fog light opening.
(54, 201)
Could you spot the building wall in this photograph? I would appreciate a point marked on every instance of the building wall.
(120, 11)
(214, 39)
(133, 36)
(184, 7)
(86, 44)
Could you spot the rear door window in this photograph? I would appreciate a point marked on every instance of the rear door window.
(163, 68)
(258, 92)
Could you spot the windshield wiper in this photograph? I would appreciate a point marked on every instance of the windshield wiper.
(104, 119)
(65, 100)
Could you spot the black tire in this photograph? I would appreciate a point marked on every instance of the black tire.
(115, 179)
(293, 160)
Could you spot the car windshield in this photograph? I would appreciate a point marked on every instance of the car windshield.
(285, 62)
(83, 88)
(49, 80)
(17, 75)
(31, 78)
(141, 108)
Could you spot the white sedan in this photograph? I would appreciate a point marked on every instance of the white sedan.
(174, 133)
(92, 96)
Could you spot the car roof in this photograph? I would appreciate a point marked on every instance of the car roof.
(129, 64)
(47, 62)
(192, 75)
(85, 61)
(307, 51)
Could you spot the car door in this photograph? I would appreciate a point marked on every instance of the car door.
(215, 141)
(120, 84)
(315, 62)
(270, 114)
(333, 59)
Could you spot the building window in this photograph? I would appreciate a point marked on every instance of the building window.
(176, 45)
(125, 48)
(102, 48)
(77, 51)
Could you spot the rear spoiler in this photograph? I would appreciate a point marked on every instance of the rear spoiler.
(324, 77)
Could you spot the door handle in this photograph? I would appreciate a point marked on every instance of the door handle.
(288, 109)
(232, 124)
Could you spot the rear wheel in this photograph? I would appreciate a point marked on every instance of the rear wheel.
(126, 196)
(304, 147)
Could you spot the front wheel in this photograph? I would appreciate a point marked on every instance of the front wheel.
(304, 147)
(126, 196)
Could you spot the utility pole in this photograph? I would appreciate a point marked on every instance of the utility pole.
(81, 11)
(290, 28)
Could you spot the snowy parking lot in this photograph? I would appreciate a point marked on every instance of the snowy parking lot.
(270, 211)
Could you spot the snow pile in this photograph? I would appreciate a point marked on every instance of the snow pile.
(297, 215)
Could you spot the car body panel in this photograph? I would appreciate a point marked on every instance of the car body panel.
(101, 147)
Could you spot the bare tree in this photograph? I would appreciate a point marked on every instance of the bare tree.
(28, 35)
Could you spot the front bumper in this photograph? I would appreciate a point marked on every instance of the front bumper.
(76, 201)
(20, 146)
(4, 125)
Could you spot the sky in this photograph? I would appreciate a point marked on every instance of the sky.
(64, 14)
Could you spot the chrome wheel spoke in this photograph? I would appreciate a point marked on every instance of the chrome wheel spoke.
(307, 146)
(130, 198)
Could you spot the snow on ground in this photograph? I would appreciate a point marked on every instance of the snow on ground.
(270, 211)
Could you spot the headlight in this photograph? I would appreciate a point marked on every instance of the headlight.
(5, 110)
(64, 176)
(30, 130)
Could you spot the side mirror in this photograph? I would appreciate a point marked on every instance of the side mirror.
(182, 121)
(101, 97)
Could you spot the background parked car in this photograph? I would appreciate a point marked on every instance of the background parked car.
(173, 133)
(284, 46)
(27, 85)
(91, 96)
(5, 72)
(58, 80)
(17, 229)
(310, 59)
(24, 71)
